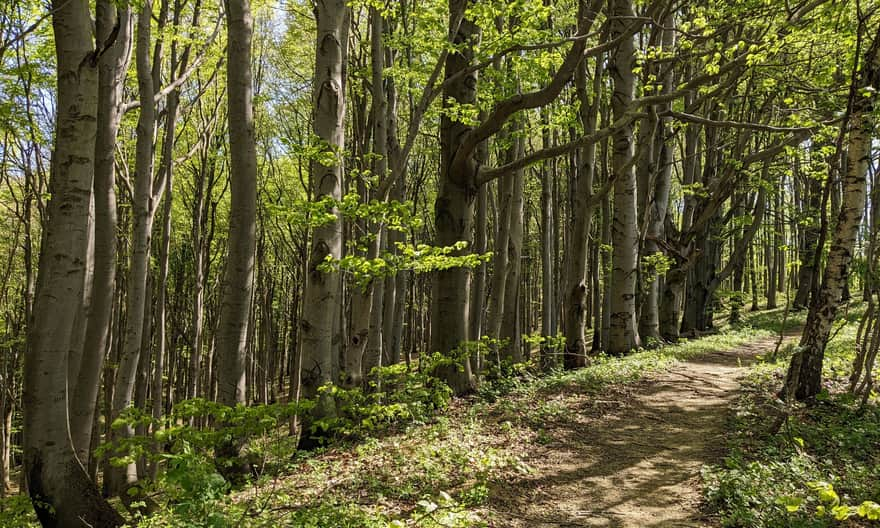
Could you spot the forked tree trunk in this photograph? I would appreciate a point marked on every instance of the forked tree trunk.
(649, 320)
(511, 322)
(582, 210)
(499, 261)
(62, 494)
(364, 349)
(166, 168)
(111, 76)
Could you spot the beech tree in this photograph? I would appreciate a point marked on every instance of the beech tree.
(319, 357)
(365, 202)
(60, 489)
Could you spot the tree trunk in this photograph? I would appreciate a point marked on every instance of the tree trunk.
(649, 320)
(454, 211)
(373, 351)
(754, 279)
(779, 236)
(698, 301)
(234, 329)
(606, 267)
(807, 248)
(61, 491)
(478, 295)
(321, 338)
(112, 67)
(770, 263)
(166, 170)
(582, 208)
(548, 255)
(137, 295)
(499, 262)
(364, 350)
(511, 322)
(623, 333)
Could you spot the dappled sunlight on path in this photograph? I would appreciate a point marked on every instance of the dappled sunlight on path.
(635, 460)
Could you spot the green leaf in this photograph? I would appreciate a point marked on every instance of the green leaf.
(869, 510)
(841, 513)
(792, 504)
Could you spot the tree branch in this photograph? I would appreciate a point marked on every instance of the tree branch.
(691, 118)
(486, 175)
(176, 83)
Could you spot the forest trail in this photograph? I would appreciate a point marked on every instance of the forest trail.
(633, 458)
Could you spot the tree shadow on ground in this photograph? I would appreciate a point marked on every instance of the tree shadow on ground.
(636, 463)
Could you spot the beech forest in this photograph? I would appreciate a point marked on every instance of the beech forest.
(439, 263)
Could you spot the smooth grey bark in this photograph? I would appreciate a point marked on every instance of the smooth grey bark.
(395, 286)
(62, 494)
(649, 320)
(157, 390)
(671, 302)
(358, 333)
(112, 67)
(481, 246)
(672, 295)
(656, 207)
(511, 322)
(804, 378)
(321, 339)
(166, 170)
(582, 209)
(238, 281)
(549, 359)
(481, 243)
(364, 349)
(454, 208)
(144, 206)
(498, 289)
(623, 332)
(373, 351)
(501, 265)
(698, 308)
(200, 213)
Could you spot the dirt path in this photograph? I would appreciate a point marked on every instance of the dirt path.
(634, 458)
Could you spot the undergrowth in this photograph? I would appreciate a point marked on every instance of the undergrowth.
(799, 466)
(399, 459)
(439, 470)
